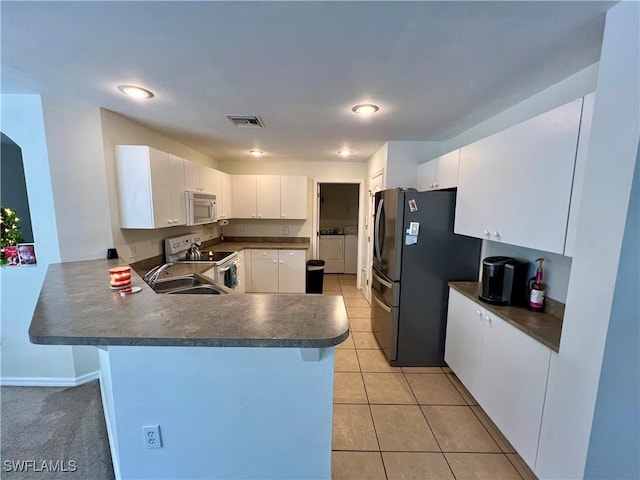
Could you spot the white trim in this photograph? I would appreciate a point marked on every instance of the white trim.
(316, 220)
(49, 381)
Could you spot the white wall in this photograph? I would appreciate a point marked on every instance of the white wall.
(78, 178)
(615, 442)
(557, 268)
(575, 374)
(23, 362)
(118, 130)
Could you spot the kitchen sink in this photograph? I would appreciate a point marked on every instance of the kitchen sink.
(200, 289)
(176, 283)
(189, 284)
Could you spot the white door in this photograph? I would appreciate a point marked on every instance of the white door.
(191, 176)
(243, 194)
(376, 184)
(176, 181)
(160, 188)
(293, 197)
(447, 170)
(268, 196)
(291, 271)
(264, 271)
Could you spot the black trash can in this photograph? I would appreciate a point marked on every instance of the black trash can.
(315, 276)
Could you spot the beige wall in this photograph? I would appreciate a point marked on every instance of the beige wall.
(135, 245)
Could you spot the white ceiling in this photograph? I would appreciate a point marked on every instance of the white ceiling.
(435, 68)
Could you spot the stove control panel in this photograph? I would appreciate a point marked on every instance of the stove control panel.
(180, 244)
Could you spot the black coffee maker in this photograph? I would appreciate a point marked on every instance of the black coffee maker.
(504, 281)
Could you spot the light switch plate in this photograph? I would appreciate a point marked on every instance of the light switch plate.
(414, 227)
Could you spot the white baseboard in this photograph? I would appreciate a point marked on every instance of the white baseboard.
(49, 381)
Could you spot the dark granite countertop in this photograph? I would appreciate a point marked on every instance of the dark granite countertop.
(542, 327)
(76, 307)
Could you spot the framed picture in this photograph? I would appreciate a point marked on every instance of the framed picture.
(27, 253)
(11, 255)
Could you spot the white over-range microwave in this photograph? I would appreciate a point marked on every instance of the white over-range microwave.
(201, 208)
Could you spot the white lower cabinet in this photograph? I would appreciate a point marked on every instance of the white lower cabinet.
(264, 271)
(503, 368)
(463, 352)
(291, 271)
(277, 271)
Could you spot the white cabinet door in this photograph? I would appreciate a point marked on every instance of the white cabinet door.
(293, 197)
(578, 176)
(463, 343)
(144, 188)
(191, 176)
(160, 188)
(210, 180)
(177, 189)
(447, 170)
(291, 271)
(427, 175)
(512, 384)
(243, 196)
(264, 271)
(515, 186)
(268, 196)
(224, 201)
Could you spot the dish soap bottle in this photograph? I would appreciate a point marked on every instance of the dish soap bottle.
(537, 289)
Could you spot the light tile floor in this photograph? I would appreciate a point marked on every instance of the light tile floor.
(393, 423)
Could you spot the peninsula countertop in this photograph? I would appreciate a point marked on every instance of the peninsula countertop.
(76, 307)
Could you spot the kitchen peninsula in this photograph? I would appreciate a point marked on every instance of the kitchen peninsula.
(241, 386)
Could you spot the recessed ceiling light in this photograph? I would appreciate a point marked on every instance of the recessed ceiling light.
(365, 109)
(344, 153)
(135, 92)
(256, 153)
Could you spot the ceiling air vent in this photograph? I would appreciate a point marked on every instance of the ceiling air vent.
(246, 121)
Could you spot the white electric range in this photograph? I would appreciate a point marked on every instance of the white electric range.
(224, 265)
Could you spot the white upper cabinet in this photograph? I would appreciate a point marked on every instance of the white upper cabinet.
(293, 197)
(224, 203)
(269, 196)
(243, 189)
(440, 173)
(199, 178)
(150, 187)
(515, 186)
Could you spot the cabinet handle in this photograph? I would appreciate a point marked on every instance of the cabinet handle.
(479, 312)
(488, 319)
(435, 185)
(259, 215)
(486, 233)
(281, 261)
(275, 261)
(253, 215)
(496, 234)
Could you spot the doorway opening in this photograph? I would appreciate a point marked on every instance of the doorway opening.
(338, 225)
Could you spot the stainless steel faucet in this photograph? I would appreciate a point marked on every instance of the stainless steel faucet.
(151, 277)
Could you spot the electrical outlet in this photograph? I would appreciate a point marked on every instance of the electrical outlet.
(243, 229)
(133, 251)
(151, 436)
(285, 230)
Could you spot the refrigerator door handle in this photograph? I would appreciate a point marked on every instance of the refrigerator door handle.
(384, 306)
(376, 233)
(382, 280)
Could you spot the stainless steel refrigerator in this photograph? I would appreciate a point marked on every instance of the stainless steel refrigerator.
(415, 255)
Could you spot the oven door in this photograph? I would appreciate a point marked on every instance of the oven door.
(384, 323)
